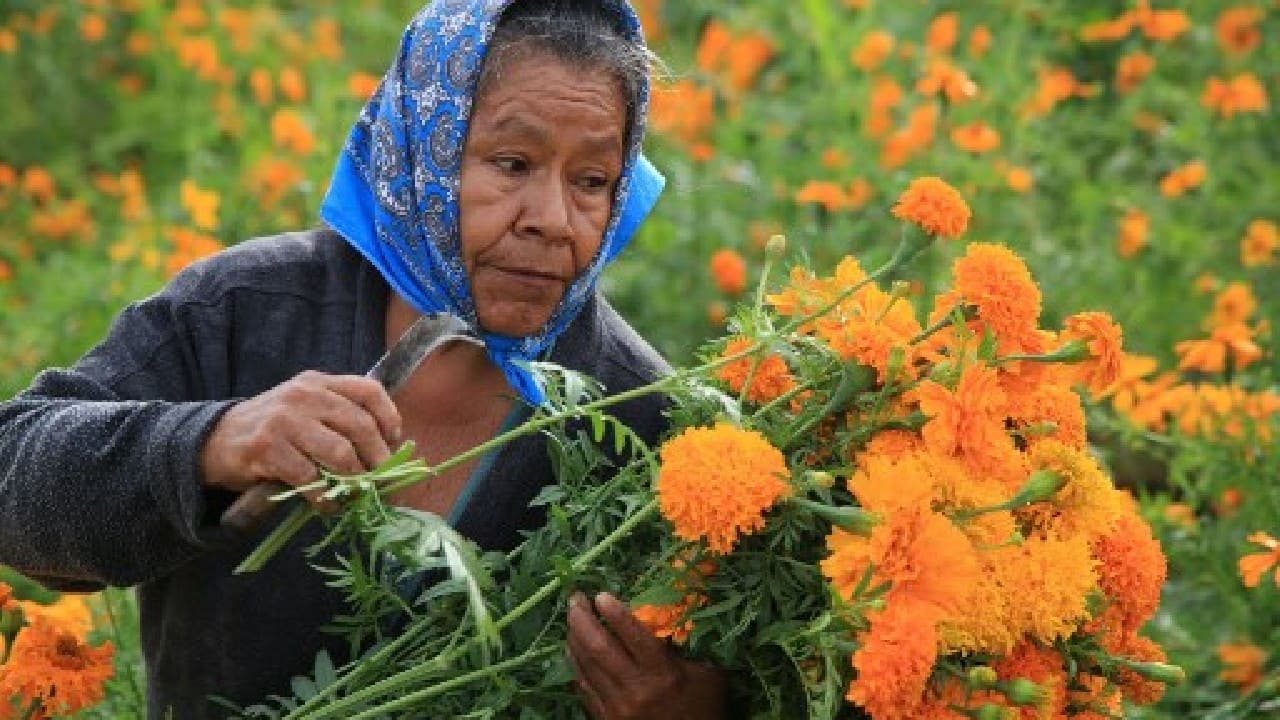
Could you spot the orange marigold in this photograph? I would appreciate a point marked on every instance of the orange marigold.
(1242, 664)
(1043, 666)
(993, 279)
(1103, 338)
(1131, 570)
(1242, 93)
(716, 483)
(976, 137)
(935, 206)
(1135, 688)
(1132, 69)
(1259, 244)
(1086, 504)
(1237, 31)
(52, 666)
(1052, 579)
(670, 621)
(1133, 232)
(893, 664)
(929, 563)
(873, 50)
(770, 376)
(1253, 565)
(966, 417)
(729, 269)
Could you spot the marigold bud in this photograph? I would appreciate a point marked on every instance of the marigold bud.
(990, 711)
(777, 246)
(1022, 691)
(1160, 672)
(982, 676)
(821, 478)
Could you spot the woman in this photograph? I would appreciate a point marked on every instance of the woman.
(494, 174)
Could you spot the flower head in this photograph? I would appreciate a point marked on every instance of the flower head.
(1132, 570)
(935, 206)
(770, 376)
(716, 483)
(52, 666)
(729, 270)
(1253, 565)
(1103, 337)
(1242, 664)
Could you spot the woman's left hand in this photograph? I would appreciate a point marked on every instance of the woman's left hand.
(623, 672)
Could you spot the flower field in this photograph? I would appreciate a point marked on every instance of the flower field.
(1118, 166)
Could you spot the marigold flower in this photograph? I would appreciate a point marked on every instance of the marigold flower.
(1253, 565)
(670, 621)
(1043, 666)
(1259, 244)
(982, 625)
(715, 484)
(188, 247)
(52, 666)
(1132, 570)
(872, 50)
(771, 379)
(1211, 354)
(869, 327)
(893, 664)
(291, 133)
(1103, 337)
(1136, 688)
(829, 195)
(1086, 504)
(1237, 31)
(964, 418)
(1242, 93)
(976, 137)
(1052, 579)
(729, 269)
(93, 28)
(1132, 69)
(935, 206)
(1133, 232)
(1235, 303)
(684, 110)
(993, 279)
(942, 33)
(1242, 665)
(1161, 25)
(1182, 179)
(928, 562)
(1019, 179)
(38, 184)
(69, 613)
(979, 41)
(201, 205)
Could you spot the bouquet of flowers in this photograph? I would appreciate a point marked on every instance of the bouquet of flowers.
(858, 509)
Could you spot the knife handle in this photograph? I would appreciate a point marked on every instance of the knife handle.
(253, 506)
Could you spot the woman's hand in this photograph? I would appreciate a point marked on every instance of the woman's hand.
(345, 423)
(624, 673)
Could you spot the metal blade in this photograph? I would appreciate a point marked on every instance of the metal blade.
(423, 336)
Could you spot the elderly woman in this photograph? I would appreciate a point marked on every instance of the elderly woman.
(494, 175)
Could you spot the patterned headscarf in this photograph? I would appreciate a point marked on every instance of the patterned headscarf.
(394, 193)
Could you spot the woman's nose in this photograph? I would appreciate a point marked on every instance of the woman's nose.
(546, 210)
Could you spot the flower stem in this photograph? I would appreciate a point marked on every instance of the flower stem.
(412, 676)
(406, 701)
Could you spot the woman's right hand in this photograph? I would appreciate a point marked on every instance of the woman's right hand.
(347, 424)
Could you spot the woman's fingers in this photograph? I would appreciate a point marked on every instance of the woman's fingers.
(602, 660)
(346, 424)
(586, 691)
(373, 398)
(645, 650)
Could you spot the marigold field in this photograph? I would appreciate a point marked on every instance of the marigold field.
(1126, 151)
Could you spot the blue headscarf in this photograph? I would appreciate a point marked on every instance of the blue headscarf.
(394, 192)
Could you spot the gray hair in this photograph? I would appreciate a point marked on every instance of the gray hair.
(583, 34)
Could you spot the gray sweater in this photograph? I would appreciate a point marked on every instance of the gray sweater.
(99, 464)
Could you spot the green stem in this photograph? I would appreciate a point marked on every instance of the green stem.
(412, 676)
(406, 701)
(278, 538)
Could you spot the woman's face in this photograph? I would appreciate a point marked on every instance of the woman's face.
(543, 154)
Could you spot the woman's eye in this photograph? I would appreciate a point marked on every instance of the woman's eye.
(594, 183)
(511, 164)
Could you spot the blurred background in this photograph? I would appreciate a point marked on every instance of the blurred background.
(1129, 151)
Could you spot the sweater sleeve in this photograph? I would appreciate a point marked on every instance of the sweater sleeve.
(99, 464)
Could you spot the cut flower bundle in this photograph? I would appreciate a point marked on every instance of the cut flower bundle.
(856, 508)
